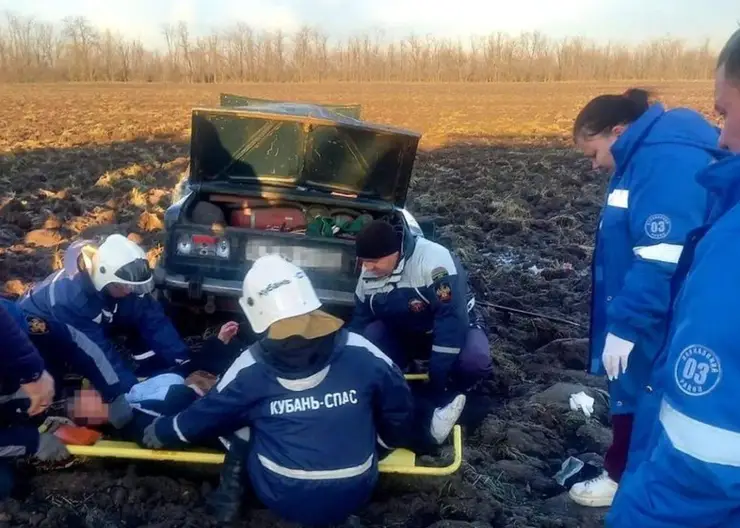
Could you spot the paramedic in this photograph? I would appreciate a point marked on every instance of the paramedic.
(692, 476)
(653, 200)
(102, 287)
(305, 404)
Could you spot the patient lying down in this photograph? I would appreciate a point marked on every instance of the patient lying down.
(166, 393)
(169, 393)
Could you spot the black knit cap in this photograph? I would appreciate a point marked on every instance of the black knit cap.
(378, 239)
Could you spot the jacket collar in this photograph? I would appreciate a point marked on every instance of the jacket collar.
(625, 146)
(408, 244)
(297, 357)
(722, 181)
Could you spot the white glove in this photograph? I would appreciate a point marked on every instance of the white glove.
(583, 402)
(616, 353)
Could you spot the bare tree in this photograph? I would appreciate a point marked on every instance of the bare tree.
(302, 58)
(33, 50)
(321, 50)
(183, 43)
(172, 42)
(82, 38)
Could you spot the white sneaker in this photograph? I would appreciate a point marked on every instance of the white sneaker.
(445, 418)
(596, 493)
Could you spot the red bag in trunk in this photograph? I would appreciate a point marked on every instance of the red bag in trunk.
(269, 218)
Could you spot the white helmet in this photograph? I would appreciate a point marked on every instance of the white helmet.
(275, 289)
(118, 260)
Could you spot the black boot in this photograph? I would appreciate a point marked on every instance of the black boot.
(225, 502)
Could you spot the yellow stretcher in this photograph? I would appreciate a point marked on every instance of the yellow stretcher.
(400, 461)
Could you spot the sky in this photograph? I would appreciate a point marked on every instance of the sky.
(628, 21)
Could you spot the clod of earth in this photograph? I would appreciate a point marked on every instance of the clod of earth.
(44, 238)
(149, 222)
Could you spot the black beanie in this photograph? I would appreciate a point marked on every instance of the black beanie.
(378, 239)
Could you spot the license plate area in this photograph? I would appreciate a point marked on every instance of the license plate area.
(305, 257)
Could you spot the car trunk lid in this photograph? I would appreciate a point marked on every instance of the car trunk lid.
(301, 147)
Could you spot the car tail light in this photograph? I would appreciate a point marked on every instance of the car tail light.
(203, 246)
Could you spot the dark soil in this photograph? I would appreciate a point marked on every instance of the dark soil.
(522, 219)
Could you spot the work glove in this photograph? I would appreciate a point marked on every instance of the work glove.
(150, 438)
(120, 412)
(615, 356)
(51, 449)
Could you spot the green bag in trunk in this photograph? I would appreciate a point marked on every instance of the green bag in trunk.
(325, 226)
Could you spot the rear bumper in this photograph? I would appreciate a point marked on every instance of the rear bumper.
(224, 288)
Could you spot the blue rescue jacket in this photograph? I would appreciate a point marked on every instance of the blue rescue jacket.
(68, 298)
(311, 434)
(427, 293)
(653, 201)
(691, 475)
(21, 362)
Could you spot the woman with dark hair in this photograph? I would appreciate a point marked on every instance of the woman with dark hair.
(652, 202)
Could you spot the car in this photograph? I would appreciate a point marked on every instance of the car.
(298, 179)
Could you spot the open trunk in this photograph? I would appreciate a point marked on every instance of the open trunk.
(296, 179)
(220, 236)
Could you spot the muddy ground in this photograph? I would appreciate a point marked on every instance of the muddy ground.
(520, 213)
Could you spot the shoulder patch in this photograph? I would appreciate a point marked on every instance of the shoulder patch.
(36, 325)
(658, 226)
(698, 370)
(444, 293)
(439, 273)
(432, 263)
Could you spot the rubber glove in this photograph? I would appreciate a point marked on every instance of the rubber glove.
(150, 438)
(583, 402)
(615, 356)
(120, 412)
(51, 449)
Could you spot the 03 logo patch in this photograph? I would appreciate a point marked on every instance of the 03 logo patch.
(698, 370)
(658, 226)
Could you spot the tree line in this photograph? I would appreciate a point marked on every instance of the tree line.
(32, 50)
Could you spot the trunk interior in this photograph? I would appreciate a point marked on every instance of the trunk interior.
(306, 218)
(219, 235)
